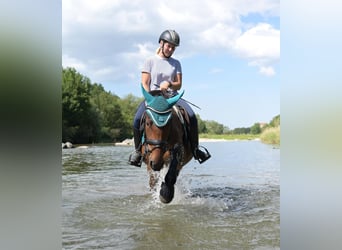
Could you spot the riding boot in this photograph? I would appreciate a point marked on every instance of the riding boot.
(198, 154)
(135, 157)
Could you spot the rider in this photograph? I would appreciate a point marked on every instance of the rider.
(163, 72)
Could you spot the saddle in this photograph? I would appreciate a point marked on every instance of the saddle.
(183, 116)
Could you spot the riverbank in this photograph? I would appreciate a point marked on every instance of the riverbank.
(202, 138)
(228, 137)
(219, 140)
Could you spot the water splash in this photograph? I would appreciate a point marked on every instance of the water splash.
(185, 196)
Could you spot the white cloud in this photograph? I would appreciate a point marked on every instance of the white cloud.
(107, 37)
(135, 59)
(260, 45)
(220, 35)
(259, 41)
(68, 61)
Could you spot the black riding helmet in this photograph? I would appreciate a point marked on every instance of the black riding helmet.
(170, 36)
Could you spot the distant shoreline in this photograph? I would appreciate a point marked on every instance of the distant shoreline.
(130, 142)
(219, 140)
(210, 140)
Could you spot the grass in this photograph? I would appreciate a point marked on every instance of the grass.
(271, 136)
(268, 136)
(229, 136)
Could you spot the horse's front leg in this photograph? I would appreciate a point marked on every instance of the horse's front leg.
(152, 174)
(153, 178)
(167, 187)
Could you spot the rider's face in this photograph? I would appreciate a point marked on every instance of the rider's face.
(168, 49)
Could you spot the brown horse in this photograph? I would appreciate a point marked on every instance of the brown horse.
(165, 141)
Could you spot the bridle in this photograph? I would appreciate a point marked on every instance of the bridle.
(164, 145)
(155, 143)
(159, 132)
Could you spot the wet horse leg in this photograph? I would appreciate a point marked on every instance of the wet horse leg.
(153, 179)
(167, 188)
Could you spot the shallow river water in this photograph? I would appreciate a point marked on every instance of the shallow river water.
(229, 202)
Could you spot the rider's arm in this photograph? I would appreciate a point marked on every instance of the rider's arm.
(176, 84)
(145, 80)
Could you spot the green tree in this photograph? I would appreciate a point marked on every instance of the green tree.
(111, 115)
(275, 122)
(226, 130)
(78, 117)
(202, 129)
(255, 129)
(214, 127)
(238, 131)
(129, 105)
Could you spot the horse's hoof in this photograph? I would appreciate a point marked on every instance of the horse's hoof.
(166, 193)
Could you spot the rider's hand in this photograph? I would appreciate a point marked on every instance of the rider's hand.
(165, 85)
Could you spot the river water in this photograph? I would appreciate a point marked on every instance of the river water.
(229, 202)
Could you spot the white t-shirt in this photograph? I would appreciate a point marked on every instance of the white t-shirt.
(161, 69)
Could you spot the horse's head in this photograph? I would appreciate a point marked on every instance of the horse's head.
(158, 127)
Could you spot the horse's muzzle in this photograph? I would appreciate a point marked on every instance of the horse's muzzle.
(156, 166)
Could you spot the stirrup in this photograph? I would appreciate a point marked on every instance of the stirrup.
(202, 156)
(135, 159)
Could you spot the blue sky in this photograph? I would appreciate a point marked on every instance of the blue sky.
(230, 51)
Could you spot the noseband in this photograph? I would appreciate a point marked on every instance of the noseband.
(156, 144)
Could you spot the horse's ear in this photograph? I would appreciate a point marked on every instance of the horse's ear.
(148, 96)
(175, 99)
